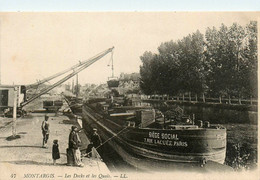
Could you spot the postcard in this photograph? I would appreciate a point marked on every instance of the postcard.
(129, 95)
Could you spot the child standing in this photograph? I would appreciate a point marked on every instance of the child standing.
(55, 151)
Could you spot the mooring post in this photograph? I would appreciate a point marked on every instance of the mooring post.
(14, 112)
(164, 121)
(229, 100)
(203, 97)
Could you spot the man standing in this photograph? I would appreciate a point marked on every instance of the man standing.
(95, 138)
(74, 142)
(95, 141)
(45, 131)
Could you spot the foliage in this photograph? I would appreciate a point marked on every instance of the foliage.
(147, 74)
(224, 62)
(240, 157)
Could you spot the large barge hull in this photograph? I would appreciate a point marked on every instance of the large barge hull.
(147, 148)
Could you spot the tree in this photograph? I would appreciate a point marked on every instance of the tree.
(224, 63)
(191, 58)
(168, 63)
(228, 59)
(249, 71)
(216, 58)
(146, 83)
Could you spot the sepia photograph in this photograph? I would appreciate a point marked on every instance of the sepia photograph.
(129, 95)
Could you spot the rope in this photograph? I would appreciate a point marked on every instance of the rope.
(108, 140)
(111, 138)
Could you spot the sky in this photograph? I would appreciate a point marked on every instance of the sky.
(34, 46)
(130, 5)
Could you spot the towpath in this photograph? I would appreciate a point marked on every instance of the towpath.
(24, 157)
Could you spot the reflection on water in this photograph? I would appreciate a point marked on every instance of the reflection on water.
(241, 131)
(215, 115)
(241, 146)
(222, 116)
(241, 137)
(114, 162)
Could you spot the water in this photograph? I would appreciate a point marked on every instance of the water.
(215, 115)
(242, 133)
(222, 116)
(241, 146)
(114, 162)
(241, 137)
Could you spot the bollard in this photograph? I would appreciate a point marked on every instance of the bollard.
(200, 123)
(207, 124)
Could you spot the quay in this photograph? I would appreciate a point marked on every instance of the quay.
(24, 157)
(239, 107)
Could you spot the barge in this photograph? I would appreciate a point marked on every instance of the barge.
(75, 104)
(147, 139)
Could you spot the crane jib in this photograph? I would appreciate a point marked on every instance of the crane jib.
(76, 69)
(66, 70)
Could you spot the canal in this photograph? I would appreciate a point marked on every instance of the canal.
(241, 136)
(242, 131)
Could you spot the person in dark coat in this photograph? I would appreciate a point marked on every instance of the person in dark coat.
(95, 141)
(95, 138)
(45, 131)
(55, 151)
(74, 143)
(74, 138)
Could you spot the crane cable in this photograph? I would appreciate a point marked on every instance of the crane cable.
(79, 69)
(111, 58)
(112, 64)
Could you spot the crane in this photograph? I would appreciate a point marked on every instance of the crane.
(88, 61)
(76, 69)
(113, 81)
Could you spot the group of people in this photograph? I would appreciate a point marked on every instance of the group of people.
(45, 133)
(74, 143)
